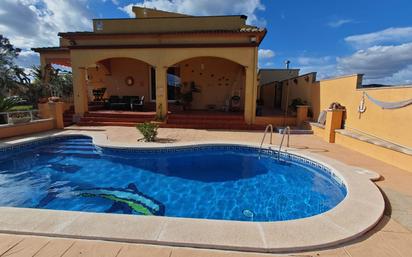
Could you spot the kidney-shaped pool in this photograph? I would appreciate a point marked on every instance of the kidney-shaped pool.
(227, 182)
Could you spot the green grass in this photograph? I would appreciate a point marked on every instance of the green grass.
(21, 108)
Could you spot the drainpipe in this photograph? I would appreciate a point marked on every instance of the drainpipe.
(287, 63)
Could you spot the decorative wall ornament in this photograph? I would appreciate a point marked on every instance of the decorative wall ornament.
(362, 107)
(129, 81)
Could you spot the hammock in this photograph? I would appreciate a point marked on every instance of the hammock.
(389, 105)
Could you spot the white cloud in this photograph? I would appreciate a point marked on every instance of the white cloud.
(325, 66)
(305, 60)
(27, 53)
(204, 7)
(402, 77)
(266, 54)
(35, 23)
(380, 64)
(378, 61)
(390, 35)
(338, 23)
(266, 64)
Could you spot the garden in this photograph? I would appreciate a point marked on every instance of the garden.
(22, 89)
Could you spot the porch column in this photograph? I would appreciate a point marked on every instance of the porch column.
(250, 95)
(80, 91)
(161, 92)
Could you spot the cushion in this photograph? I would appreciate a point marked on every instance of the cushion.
(322, 117)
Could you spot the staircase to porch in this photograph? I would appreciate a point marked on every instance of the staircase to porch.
(115, 118)
(207, 120)
(68, 117)
(194, 120)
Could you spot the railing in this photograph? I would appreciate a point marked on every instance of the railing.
(12, 119)
(285, 130)
(264, 136)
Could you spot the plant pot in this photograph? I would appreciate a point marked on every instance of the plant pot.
(42, 100)
(54, 99)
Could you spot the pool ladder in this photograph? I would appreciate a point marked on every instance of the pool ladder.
(264, 136)
(285, 130)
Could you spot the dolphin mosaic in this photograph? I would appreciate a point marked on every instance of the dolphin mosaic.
(130, 198)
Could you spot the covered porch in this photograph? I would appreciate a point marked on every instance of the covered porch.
(170, 81)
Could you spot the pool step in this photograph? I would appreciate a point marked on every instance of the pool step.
(87, 155)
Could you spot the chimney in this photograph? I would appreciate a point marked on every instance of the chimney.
(287, 62)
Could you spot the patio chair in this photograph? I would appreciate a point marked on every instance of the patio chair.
(98, 94)
(235, 103)
(137, 104)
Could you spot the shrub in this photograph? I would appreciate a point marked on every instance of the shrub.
(148, 130)
(295, 102)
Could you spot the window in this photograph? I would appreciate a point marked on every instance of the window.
(173, 83)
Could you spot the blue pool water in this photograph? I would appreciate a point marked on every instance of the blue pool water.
(213, 182)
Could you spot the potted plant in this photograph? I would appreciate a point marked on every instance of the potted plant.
(185, 95)
(295, 103)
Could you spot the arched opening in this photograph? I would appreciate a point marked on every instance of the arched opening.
(120, 84)
(206, 84)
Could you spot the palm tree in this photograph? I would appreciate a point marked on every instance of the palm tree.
(6, 103)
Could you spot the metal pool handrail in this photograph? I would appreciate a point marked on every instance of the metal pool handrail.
(12, 112)
(264, 135)
(285, 130)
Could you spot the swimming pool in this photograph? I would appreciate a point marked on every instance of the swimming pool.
(226, 182)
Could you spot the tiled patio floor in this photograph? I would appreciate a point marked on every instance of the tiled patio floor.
(391, 237)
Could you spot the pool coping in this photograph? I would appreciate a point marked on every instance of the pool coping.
(360, 210)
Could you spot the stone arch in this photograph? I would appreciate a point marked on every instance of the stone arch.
(216, 81)
(119, 76)
(207, 56)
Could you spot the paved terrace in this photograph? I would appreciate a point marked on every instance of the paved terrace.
(391, 237)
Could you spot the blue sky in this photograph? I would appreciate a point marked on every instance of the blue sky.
(331, 37)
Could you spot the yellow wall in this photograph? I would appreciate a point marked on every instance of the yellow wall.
(270, 75)
(142, 12)
(267, 81)
(267, 94)
(395, 158)
(167, 39)
(114, 81)
(52, 57)
(320, 132)
(26, 128)
(172, 24)
(392, 125)
(299, 87)
(218, 79)
(52, 118)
